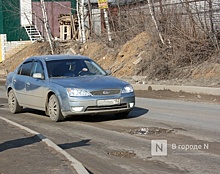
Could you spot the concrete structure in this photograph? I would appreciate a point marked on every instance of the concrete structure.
(188, 89)
(14, 47)
(26, 12)
(2, 47)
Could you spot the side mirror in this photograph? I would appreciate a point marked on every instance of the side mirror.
(108, 72)
(38, 76)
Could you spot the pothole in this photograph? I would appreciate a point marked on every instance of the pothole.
(149, 131)
(123, 153)
(179, 128)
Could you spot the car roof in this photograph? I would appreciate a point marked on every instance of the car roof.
(56, 57)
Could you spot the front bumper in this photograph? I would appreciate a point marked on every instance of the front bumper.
(90, 106)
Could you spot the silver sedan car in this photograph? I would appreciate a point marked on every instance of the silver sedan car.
(67, 85)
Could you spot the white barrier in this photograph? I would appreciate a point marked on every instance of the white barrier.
(2, 47)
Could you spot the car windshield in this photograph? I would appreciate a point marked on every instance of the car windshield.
(73, 68)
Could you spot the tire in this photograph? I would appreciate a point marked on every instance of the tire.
(122, 115)
(13, 104)
(54, 110)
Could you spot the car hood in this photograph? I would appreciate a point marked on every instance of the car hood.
(90, 82)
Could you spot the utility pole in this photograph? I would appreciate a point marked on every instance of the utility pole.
(107, 25)
(103, 4)
(46, 25)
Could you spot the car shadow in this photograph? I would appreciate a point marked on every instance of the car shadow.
(136, 112)
(33, 111)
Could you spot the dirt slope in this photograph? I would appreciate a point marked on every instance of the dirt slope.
(124, 61)
(139, 60)
(32, 50)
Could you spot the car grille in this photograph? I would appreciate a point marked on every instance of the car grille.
(101, 108)
(106, 92)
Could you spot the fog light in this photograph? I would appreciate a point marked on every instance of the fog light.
(131, 105)
(77, 109)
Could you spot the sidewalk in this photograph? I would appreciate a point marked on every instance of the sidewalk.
(24, 153)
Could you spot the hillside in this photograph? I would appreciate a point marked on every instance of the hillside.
(139, 60)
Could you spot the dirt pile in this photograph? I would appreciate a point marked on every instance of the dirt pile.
(124, 61)
(140, 60)
(32, 50)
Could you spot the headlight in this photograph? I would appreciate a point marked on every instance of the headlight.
(73, 92)
(127, 89)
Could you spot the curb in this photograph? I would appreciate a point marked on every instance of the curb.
(2, 79)
(188, 89)
(80, 169)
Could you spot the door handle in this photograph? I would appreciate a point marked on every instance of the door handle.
(28, 84)
(14, 80)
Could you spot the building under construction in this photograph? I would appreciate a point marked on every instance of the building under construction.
(23, 19)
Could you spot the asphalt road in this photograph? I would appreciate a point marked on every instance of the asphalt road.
(105, 144)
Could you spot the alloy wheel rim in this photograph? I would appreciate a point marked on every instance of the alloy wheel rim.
(53, 108)
(12, 102)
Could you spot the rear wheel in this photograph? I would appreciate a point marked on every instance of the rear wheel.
(13, 104)
(54, 110)
(122, 115)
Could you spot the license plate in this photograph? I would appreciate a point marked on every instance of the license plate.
(108, 102)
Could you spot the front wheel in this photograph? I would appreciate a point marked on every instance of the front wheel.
(13, 104)
(54, 110)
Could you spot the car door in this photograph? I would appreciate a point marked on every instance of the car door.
(35, 86)
(19, 82)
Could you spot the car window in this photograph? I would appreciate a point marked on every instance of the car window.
(37, 68)
(93, 68)
(25, 68)
(19, 69)
(62, 68)
(73, 68)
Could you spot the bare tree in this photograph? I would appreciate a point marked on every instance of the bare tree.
(46, 25)
(150, 5)
(212, 32)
